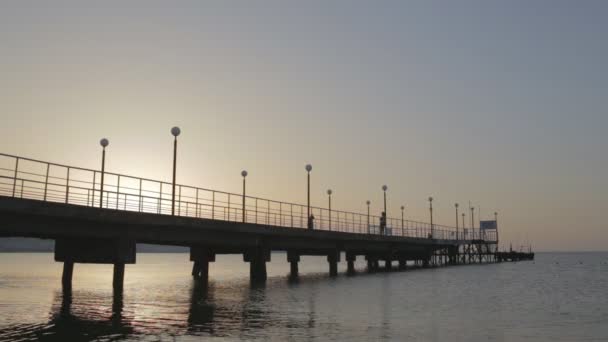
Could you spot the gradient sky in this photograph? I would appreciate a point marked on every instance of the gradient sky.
(499, 102)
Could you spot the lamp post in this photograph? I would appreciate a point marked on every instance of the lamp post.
(368, 203)
(244, 174)
(431, 210)
(329, 192)
(175, 131)
(308, 169)
(104, 143)
(384, 188)
(496, 226)
(472, 219)
(463, 227)
(456, 205)
(402, 217)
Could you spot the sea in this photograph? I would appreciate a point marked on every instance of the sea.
(556, 297)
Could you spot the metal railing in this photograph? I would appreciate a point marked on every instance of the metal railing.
(44, 181)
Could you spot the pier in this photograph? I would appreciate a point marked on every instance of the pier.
(96, 216)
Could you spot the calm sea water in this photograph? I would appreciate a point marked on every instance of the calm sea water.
(558, 297)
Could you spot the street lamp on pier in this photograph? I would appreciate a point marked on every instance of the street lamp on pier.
(368, 203)
(472, 219)
(384, 188)
(329, 192)
(402, 218)
(456, 205)
(431, 211)
(244, 174)
(104, 143)
(308, 169)
(175, 131)
(463, 227)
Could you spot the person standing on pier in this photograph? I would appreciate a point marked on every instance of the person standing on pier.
(382, 223)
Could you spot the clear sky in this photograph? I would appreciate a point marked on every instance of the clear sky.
(503, 103)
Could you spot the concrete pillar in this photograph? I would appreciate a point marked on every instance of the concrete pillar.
(201, 257)
(293, 269)
(195, 269)
(203, 271)
(350, 262)
(66, 278)
(257, 270)
(293, 258)
(333, 258)
(388, 265)
(119, 276)
(257, 258)
(372, 263)
(402, 264)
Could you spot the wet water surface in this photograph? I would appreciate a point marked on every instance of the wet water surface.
(558, 297)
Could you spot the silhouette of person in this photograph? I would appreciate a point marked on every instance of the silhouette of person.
(311, 222)
(382, 223)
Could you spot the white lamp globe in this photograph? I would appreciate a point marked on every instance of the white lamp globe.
(175, 131)
(308, 167)
(244, 173)
(104, 142)
(384, 187)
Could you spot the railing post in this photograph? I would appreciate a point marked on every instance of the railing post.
(196, 209)
(291, 213)
(256, 211)
(93, 190)
(46, 179)
(179, 199)
(21, 190)
(228, 207)
(67, 186)
(281, 214)
(15, 175)
(213, 205)
(160, 198)
(118, 193)
(141, 199)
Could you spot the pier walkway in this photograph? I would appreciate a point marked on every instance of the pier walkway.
(98, 217)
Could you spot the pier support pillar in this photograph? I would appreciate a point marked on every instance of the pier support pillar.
(402, 264)
(201, 256)
(119, 277)
(66, 278)
(372, 263)
(453, 255)
(293, 258)
(350, 262)
(117, 252)
(333, 258)
(257, 259)
(388, 265)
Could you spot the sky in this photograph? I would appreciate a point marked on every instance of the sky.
(501, 103)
